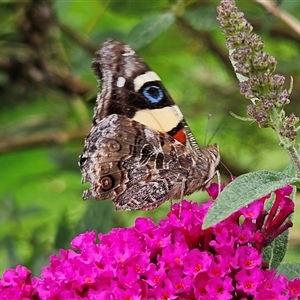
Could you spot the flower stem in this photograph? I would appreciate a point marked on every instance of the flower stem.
(255, 70)
(295, 158)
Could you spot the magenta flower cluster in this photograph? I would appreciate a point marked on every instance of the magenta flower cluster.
(175, 259)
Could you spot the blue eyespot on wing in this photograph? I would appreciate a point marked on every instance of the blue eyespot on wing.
(153, 93)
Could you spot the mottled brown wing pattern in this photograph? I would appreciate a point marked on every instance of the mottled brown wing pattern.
(139, 168)
(140, 151)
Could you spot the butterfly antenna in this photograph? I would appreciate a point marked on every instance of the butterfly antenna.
(216, 129)
(225, 167)
(206, 129)
(218, 175)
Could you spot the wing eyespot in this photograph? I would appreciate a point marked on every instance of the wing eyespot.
(113, 145)
(104, 168)
(153, 93)
(107, 183)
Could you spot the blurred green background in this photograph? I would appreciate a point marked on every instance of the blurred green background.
(48, 91)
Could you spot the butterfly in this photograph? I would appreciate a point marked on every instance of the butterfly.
(140, 151)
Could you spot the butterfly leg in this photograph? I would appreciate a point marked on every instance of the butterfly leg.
(181, 196)
(171, 203)
(219, 182)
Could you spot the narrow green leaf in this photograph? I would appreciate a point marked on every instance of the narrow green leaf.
(274, 253)
(98, 216)
(290, 170)
(136, 8)
(9, 243)
(203, 18)
(244, 190)
(290, 270)
(63, 232)
(149, 28)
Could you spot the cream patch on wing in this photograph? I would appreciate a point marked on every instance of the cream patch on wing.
(162, 119)
(121, 82)
(140, 80)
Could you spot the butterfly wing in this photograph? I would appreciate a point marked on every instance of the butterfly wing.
(140, 151)
(138, 167)
(130, 88)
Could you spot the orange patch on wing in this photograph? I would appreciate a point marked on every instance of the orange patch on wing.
(180, 136)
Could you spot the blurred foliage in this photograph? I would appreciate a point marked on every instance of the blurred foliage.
(47, 94)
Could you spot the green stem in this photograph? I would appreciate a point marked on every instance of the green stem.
(295, 158)
(285, 142)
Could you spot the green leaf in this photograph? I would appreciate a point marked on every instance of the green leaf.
(98, 216)
(203, 18)
(63, 232)
(290, 270)
(149, 28)
(136, 8)
(290, 170)
(274, 253)
(244, 190)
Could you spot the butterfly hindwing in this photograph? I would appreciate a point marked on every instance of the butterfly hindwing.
(136, 166)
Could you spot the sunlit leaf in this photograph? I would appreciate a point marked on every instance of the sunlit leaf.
(274, 253)
(244, 190)
(149, 28)
(203, 18)
(290, 270)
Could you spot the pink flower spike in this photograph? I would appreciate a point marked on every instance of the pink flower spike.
(269, 295)
(284, 191)
(220, 268)
(133, 292)
(273, 282)
(16, 284)
(280, 194)
(294, 288)
(286, 206)
(164, 290)
(249, 257)
(219, 288)
(144, 225)
(248, 280)
(196, 261)
(17, 276)
(253, 210)
(180, 282)
(200, 286)
(84, 240)
(154, 274)
(278, 224)
(173, 255)
(164, 261)
(213, 190)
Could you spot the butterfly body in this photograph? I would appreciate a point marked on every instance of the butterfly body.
(140, 151)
